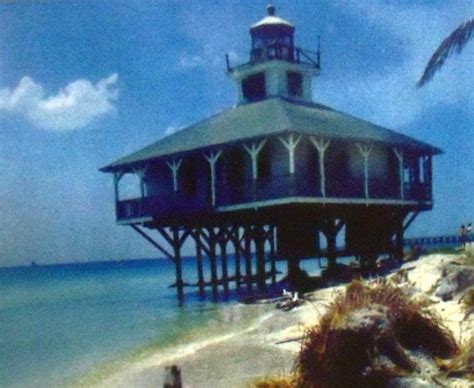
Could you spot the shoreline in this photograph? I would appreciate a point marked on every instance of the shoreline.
(262, 349)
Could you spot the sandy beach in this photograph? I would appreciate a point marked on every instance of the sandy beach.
(237, 359)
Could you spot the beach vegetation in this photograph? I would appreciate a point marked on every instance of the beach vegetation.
(366, 336)
(462, 365)
(276, 382)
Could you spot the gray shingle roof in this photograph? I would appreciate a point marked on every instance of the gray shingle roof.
(270, 117)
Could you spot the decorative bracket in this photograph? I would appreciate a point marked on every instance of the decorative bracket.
(290, 145)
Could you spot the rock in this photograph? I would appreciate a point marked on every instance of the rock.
(456, 279)
(446, 289)
(408, 382)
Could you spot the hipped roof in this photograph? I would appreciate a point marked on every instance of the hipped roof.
(270, 117)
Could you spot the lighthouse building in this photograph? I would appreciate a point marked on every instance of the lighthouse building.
(277, 176)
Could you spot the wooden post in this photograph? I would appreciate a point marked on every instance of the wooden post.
(141, 175)
(236, 241)
(248, 256)
(290, 145)
(117, 177)
(212, 158)
(212, 260)
(399, 155)
(321, 146)
(199, 262)
(178, 263)
(399, 231)
(174, 166)
(365, 151)
(253, 151)
(260, 256)
(272, 253)
(330, 230)
(223, 247)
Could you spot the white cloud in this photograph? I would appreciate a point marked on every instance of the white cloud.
(73, 107)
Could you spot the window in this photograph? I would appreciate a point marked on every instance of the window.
(253, 87)
(295, 84)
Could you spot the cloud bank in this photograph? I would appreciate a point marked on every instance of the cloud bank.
(73, 107)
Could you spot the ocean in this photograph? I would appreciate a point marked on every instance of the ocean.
(76, 324)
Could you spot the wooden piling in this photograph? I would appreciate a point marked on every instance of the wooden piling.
(248, 256)
(199, 262)
(271, 241)
(237, 250)
(259, 238)
(212, 261)
(223, 248)
(178, 263)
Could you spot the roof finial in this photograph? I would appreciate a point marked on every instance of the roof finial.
(271, 10)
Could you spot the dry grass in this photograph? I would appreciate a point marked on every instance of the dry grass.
(463, 364)
(276, 382)
(337, 358)
(467, 301)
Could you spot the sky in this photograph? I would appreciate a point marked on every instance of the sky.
(83, 83)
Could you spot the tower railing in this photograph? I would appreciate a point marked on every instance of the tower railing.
(282, 53)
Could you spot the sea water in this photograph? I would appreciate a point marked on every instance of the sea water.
(64, 325)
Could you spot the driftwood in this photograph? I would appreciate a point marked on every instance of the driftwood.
(291, 339)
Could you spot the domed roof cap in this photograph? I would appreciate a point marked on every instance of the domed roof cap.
(272, 20)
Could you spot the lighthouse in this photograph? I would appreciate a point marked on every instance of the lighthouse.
(278, 176)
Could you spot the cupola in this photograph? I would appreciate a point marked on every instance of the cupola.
(276, 67)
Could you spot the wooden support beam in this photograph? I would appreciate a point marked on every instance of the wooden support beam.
(410, 220)
(141, 175)
(253, 150)
(330, 230)
(248, 256)
(290, 145)
(399, 154)
(200, 271)
(365, 151)
(271, 241)
(237, 253)
(225, 273)
(212, 158)
(117, 176)
(174, 165)
(260, 255)
(212, 260)
(153, 242)
(178, 263)
(321, 146)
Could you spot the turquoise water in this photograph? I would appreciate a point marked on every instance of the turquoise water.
(67, 324)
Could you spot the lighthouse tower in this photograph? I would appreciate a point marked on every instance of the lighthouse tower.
(276, 67)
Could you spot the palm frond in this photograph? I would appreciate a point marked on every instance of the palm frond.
(453, 43)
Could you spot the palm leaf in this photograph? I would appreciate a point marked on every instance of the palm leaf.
(453, 43)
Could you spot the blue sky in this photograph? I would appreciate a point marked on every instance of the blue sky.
(83, 83)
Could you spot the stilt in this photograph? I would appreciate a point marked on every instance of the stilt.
(330, 231)
(271, 241)
(199, 262)
(237, 249)
(399, 241)
(259, 237)
(248, 256)
(223, 248)
(178, 264)
(212, 260)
